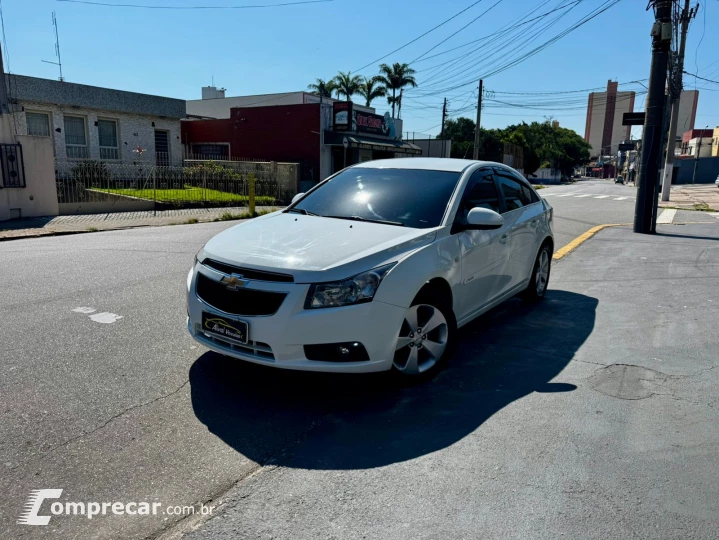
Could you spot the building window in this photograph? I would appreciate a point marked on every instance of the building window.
(107, 133)
(76, 138)
(38, 124)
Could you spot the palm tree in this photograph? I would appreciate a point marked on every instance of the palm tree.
(371, 89)
(347, 84)
(322, 88)
(396, 77)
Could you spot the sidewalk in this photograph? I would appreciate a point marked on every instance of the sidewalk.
(48, 226)
(693, 197)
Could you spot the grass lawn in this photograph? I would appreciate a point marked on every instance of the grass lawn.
(188, 194)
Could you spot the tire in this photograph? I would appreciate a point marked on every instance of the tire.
(539, 279)
(421, 355)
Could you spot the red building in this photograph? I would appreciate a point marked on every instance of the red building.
(288, 133)
(294, 133)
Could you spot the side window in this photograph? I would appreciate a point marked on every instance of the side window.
(482, 193)
(529, 194)
(515, 195)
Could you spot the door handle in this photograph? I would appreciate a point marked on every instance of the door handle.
(503, 239)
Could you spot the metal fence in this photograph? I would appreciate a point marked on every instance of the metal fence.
(188, 183)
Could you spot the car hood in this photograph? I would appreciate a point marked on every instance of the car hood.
(308, 245)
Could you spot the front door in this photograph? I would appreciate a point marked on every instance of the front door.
(521, 217)
(485, 254)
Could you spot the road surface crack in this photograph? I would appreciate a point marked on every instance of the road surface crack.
(112, 419)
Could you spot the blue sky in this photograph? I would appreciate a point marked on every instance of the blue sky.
(253, 51)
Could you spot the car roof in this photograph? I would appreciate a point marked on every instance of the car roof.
(429, 164)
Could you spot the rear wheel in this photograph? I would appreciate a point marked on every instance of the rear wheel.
(426, 338)
(537, 286)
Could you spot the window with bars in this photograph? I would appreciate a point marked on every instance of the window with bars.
(76, 138)
(107, 133)
(38, 124)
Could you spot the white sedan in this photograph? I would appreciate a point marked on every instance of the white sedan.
(373, 269)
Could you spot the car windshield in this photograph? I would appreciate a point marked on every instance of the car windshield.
(409, 197)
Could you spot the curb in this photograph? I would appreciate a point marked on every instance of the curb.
(124, 228)
(574, 244)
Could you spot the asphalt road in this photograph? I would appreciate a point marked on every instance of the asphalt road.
(587, 203)
(537, 429)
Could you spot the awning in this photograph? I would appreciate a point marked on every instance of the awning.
(371, 143)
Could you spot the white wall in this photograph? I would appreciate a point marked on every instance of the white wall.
(39, 196)
(704, 151)
(133, 130)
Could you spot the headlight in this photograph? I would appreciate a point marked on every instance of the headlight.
(355, 290)
(189, 278)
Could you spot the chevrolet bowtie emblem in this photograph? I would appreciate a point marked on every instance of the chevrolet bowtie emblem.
(234, 282)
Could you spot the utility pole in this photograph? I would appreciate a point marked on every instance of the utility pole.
(675, 91)
(653, 124)
(475, 154)
(444, 117)
(4, 103)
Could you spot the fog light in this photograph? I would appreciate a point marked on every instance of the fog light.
(352, 351)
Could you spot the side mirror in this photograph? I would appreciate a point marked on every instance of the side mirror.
(483, 219)
(297, 198)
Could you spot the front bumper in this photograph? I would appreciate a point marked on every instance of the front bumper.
(278, 340)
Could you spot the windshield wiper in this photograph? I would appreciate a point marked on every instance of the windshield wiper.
(302, 211)
(359, 218)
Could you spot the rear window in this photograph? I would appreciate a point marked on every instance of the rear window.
(411, 197)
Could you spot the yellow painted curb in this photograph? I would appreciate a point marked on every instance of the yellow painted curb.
(574, 244)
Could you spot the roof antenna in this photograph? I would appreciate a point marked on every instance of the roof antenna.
(57, 48)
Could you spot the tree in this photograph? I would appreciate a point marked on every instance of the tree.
(347, 84)
(371, 89)
(322, 88)
(394, 78)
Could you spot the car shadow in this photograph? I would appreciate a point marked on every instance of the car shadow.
(329, 421)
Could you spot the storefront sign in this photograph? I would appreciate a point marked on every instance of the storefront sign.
(342, 115)
(374, 123)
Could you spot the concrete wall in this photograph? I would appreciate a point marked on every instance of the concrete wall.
(707, 170)
(687, 110)
(715, 142)
(433, 147)
(39, 197)
(133, 130)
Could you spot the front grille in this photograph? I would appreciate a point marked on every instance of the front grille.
(240, 302)
(249, 273)
(252, 348)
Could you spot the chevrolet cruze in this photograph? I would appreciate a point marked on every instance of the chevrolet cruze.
(373, 269)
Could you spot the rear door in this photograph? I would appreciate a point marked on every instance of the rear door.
(522, 215)
(485, 254)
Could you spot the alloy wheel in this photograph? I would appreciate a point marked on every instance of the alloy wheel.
(422, 339)
(542, 273)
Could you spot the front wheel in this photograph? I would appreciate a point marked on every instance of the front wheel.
(426, 338)
(537, 287)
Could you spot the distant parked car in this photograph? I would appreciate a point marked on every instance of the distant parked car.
(716, 182)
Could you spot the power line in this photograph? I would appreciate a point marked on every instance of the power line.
(489, 35)
(471, 77)
(418, 37)
(490, 8)
(702, 78)
(145, 6)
